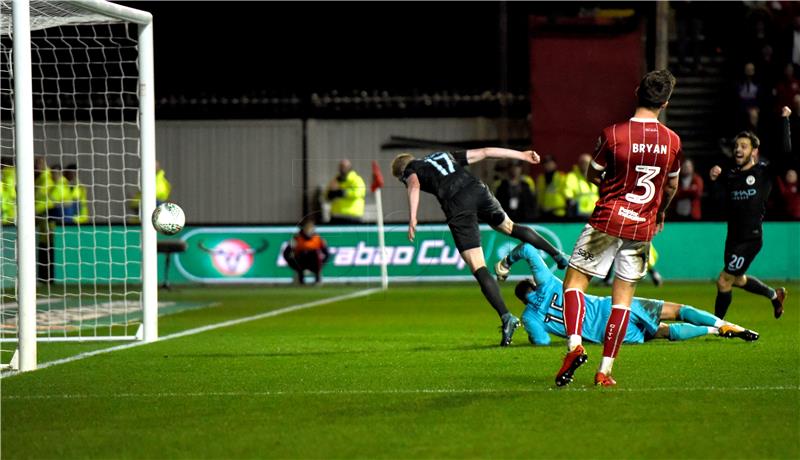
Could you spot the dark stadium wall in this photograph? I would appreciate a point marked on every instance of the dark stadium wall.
(580, 83)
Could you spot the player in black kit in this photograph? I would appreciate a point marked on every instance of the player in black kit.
(747, 188)
(465, 200)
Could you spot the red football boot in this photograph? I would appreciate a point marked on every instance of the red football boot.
(603, 380)
(572, 361)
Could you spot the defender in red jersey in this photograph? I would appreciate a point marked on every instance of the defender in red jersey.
(636, 165)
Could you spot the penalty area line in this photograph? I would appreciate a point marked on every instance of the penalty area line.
(210, 327)
(418, 391)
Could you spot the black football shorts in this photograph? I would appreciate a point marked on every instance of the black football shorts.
(466, 208)
(739, 254)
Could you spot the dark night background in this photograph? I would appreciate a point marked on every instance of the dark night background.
(283, 48)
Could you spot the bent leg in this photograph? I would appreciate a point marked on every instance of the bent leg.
(662, 332)
(756, 286)
(532, 237)
(670, 311)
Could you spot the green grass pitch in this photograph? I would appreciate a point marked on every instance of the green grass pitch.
(414, 372)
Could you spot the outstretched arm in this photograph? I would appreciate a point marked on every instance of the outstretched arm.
(476, 155)
(412, 182)
(524, 251)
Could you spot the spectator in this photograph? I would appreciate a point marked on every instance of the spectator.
(42, 183)
(550, 191)
(748, 90)
(790, 198)
(61, 206)
(500, 174)
(517, 195)
(752, 120)
(163, 191)
(686, 205)
(581, 194)
(768, 69)
(346, 192)
(80, 213)
(45, 252)
(689, 36)
(787, 88)
(8, 191)
(759, 34)
(306, 251)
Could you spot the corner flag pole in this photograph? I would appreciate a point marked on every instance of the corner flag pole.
(377, 184)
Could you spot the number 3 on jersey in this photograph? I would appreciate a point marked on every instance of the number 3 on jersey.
(441, 161)
(645, 181)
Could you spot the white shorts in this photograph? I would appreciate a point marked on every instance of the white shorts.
(595, 251)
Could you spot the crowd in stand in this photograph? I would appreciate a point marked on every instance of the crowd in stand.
(59, 199)
(554, 195)
(59, 196)
(768, 82)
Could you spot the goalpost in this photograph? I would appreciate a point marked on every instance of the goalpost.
(76, 94)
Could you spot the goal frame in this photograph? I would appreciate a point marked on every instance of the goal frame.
(24, 141)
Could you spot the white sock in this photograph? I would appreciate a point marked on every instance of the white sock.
(573, 341)
(606, 364)
(713, 331)
(719, 323)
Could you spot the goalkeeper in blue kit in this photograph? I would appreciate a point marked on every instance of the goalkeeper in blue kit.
(542, 296)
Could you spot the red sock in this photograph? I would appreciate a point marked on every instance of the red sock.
(615, 330)
(574, 311)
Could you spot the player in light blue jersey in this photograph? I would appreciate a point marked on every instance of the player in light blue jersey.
(542, 296)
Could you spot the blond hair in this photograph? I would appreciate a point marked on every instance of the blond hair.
(399, 164)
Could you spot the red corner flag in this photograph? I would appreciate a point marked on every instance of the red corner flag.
(377, 177)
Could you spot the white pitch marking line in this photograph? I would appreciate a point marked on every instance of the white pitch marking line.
(391, 392)
(209, 327)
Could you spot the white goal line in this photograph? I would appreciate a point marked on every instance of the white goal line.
(209, 327)
(419, 391)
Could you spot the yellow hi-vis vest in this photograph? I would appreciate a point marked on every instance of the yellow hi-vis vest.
(551, 196)
(583, 192)
(351, 204)
(41, 194)
(8, 195)
(653, 258)
(79, 196)
(163, 189)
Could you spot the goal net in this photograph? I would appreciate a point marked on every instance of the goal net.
(89, 150)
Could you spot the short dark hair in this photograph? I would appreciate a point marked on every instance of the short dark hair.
(655, 88)
(522, 289)
(754, 141)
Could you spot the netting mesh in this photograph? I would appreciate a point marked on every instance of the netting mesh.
(86, 142)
